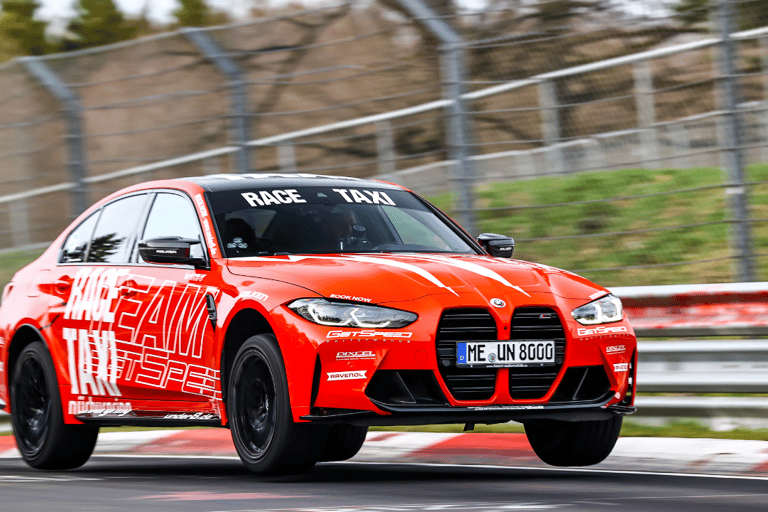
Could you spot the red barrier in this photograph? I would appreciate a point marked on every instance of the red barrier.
(727, 309)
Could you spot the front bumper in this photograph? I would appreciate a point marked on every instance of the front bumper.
(436, 414)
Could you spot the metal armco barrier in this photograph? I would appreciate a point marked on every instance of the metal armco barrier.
(700, 366)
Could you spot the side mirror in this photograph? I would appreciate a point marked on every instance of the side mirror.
(172, 249)
(499, 246)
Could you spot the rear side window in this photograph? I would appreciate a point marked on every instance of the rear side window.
(114, 235)
(76, 245)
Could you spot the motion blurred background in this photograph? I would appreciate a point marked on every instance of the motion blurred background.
(624, 140)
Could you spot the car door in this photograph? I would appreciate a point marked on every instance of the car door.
(164, 323)
(86, 285)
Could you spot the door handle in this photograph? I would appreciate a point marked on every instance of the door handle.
(63, 285)
(128, 288)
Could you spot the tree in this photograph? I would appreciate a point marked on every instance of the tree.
(98, 22)
(193, 13)
(18, 24)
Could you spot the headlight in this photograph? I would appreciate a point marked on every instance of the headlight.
(602, 311)
(342, 314)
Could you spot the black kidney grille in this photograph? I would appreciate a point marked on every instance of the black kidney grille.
(466, 324)
(536, 323)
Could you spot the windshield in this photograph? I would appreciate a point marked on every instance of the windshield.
(322, 220)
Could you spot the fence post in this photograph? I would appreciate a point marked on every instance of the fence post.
(240, 130)
(736, 191)
(646, 114)
(286, 156)
(452, 71)
(550, 126)
(763, 113)
(72, 111)
(385, 147)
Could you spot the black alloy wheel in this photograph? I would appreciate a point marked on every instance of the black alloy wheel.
(259, 411)
(43, 439)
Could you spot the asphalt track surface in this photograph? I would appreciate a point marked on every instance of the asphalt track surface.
(194, 483)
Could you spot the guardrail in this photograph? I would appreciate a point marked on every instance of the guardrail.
(701, 366)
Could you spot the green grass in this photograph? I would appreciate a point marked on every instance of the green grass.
(589, 221)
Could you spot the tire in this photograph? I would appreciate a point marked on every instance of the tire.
(44, 440)
(344, 441)
(259, 411)
(581, 443)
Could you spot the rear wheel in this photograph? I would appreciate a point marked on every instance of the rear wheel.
(259, 411)
(344, 441)
(44, 440)
(580, 443)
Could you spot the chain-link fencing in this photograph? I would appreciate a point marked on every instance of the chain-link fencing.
(622, 140)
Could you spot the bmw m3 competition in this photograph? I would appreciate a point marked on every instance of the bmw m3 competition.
(297, 311)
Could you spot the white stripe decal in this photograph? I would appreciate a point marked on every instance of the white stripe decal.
(470, 267)
(404, 266)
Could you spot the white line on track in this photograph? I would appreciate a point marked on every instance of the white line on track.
(464, 466)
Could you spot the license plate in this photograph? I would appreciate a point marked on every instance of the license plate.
(504, 354)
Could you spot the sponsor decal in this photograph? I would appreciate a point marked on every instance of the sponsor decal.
(162, 325)
(596, 295)
(2, 366)
(621, 367)
(253, 295)
(498, 303)
(369, 333)
(361, 354)
(350, 297)
(615, 349)
(194, 277)
(93, 294)
(93, 364)
(2, 341)
(352, 195)
(206, 221)
(78, 407)
(507, 408)
(354, 375)
(266, 198)
(191, 416)
(601, 330)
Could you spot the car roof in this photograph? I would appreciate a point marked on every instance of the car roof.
(225, 182)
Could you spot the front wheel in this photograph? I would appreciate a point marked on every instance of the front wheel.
(43, 439)
(259, 410)
(578, 443)
(344, 441)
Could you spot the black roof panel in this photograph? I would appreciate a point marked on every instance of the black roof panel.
(224, 182)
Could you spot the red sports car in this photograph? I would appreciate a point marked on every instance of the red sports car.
(297, 311)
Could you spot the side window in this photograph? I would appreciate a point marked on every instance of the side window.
(112, 240)
(174, 215)
(74, 248)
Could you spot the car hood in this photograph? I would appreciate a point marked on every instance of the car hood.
(381, 278)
